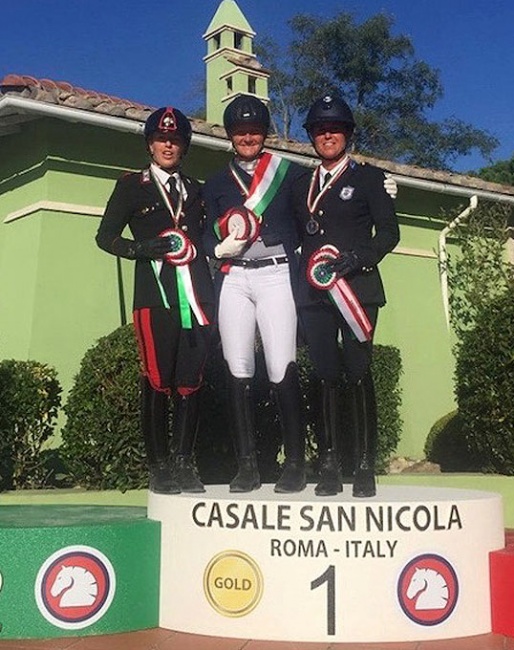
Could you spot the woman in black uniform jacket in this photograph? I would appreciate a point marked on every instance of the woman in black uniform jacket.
(173, 293)
(347, 208)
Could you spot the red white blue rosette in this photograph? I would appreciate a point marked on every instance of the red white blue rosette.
(183, 251)
(242, 220)
(318, 273)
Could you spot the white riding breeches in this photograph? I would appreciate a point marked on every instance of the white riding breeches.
(258, 298)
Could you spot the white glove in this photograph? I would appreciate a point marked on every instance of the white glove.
(390, 186)
(230, 246)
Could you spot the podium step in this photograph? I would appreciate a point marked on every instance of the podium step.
(77, 570)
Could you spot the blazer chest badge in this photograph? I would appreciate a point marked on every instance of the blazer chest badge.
(347, 192)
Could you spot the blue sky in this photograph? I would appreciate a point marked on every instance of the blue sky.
(152, 51)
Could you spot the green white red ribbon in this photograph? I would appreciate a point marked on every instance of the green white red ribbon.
(183, 251)
(267, 178)
(340, 293)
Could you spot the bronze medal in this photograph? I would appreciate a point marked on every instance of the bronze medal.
(312, 226)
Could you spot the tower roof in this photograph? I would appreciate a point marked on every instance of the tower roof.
(228, 14)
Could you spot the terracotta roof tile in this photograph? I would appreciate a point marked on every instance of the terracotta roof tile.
(65, 94)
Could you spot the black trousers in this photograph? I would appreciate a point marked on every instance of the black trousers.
(172, 358)
(324, 329)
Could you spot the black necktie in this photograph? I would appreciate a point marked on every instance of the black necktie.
(172, 189)
(327, 178)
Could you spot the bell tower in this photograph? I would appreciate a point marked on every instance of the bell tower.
(231, 66)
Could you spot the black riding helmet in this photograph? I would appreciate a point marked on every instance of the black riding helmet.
(246, 109)
(168, 120)
(329, 109)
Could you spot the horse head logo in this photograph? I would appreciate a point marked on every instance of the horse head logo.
(77, 586)
(429, 589)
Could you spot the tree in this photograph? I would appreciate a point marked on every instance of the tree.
(500, 172)
(377, 73)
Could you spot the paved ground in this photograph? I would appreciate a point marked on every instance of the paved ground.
(159, 639)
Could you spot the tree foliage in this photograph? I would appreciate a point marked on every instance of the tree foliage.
(501, 172)
(377, 73)
(479, 273)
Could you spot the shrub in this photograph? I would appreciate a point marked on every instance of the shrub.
(485, 385)
(387, 370)
(447, 446)
(30, 396)
(102, 443)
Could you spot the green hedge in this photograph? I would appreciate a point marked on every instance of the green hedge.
(30, 396)
(446, 445)
(102, 443)
(485, 386)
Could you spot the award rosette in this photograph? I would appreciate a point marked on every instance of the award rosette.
(240, 219)
(321, 277)
(319, 274)
(183, 251)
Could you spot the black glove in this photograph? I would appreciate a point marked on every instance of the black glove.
(347, 262)
(151, 249)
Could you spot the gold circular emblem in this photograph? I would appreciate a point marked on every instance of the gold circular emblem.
(233, 583)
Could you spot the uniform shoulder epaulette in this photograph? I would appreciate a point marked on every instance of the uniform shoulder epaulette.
(146, 177)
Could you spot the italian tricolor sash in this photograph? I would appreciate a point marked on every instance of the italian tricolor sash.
(267, 178)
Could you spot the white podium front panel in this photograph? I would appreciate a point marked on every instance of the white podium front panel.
(409, 564)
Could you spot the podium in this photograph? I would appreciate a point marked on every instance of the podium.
(410, 564)
(77, 571)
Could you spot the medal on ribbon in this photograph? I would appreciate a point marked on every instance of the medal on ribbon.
(182, 253)
(314, 195)
(321, 277)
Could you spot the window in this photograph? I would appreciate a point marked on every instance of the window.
(252, 85)
(238, 40)
(229, 85)
(217, 41)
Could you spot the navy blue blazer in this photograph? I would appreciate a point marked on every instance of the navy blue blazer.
(355, 214)
(279, 225)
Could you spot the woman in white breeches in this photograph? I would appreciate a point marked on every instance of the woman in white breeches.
(258, 298)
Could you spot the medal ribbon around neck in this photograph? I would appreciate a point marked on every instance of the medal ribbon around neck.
(313, 199)
(175, 213)
(186, 295)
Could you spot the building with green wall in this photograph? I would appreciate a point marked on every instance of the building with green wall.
(64, 147)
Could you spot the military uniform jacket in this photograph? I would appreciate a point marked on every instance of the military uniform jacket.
(137, 203)
(221, 192)
(356, 214)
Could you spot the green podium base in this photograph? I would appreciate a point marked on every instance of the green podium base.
(77, 571)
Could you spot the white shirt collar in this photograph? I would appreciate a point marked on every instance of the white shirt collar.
(162, 174)
(323, 172)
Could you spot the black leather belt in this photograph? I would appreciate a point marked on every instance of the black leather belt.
(257, 264)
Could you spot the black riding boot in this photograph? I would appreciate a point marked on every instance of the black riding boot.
(242, 411)
(330, 480)
(364, 409)
(288, 398)
(185, 428)
(154, 424)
